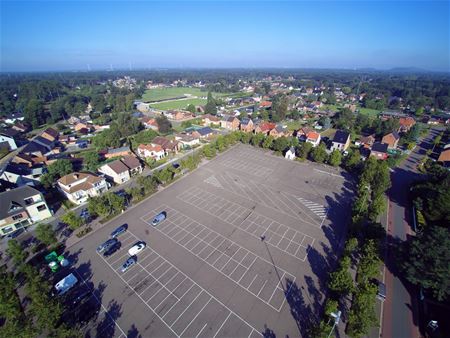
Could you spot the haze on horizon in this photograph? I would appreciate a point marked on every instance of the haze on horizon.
(48, 36)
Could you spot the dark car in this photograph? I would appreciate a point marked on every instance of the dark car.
(16, 233)
(175, 165)
(105, 246)
(67, 232)
(112, 249)
(128, 263)
(120, 230)
(79, 296)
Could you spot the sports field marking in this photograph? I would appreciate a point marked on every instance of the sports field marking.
(277, 235)
(167, 299)
(228, 253)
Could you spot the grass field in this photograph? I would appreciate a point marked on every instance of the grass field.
(168, 93)
(178, 104)
(328, 133)
(369, 112)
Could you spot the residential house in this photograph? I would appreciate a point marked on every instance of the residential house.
(22, 174)
(379, 150)
(50, 134)
(118, 152)
(341, 140)
(246, 125)
(21, 127)
(406, 124)
(36, 149)
(73, 120)
(279, 131)
(122, 170)
(313, 138)
(168, 146)
(229, 122)
(203, 133)
(149, 123)
(209, 119)
(265, 104)
(20, 208)
(444, 158)
(187, 141)
(177, 115)
(154, 151)
(78, 187)
(290, 153)
(367, 141)
(9, 140)
(82, 128)
(391, 140)
(264, 127)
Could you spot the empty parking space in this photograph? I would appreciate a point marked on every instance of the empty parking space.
(290, 241)
(184, 306)
(251, 272)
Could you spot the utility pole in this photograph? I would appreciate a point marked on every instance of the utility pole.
(337, 317)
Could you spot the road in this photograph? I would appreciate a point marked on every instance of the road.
(400, 308)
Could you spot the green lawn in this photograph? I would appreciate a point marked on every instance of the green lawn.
(294, 125)
(328, 133)
(169, 93)
(178, 104)
(369, 112)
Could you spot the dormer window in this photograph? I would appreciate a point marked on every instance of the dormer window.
(28, 201)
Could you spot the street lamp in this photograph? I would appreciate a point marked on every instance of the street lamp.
(263, 237)
(337, 317)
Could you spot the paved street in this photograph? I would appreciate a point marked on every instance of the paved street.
(400, 308)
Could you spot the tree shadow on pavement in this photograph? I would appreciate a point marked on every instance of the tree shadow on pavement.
(302, 313)
(133, 332)
(107, 327)
(268, 333)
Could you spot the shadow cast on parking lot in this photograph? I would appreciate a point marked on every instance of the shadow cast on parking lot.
(133, 332)
(107, 327)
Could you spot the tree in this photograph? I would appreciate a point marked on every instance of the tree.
(341, 280)
(91, 161)
(304, 150)
(55, 171)
(109, 138)
(362, 313)
(191, 108)
(279, 107)
(17, 253)
(72, 220)
(335, 158)
(46, 234)
(267, 143)
(209, 151)
(164, 125)
(280, 144)
(352, 160)
(319, 153)
(210, 107)
(148, 183)
(426, 263)
(369, 263)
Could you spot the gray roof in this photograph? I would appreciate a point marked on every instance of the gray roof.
(341, 137)
(205, 131)
(118, 150)
(17, 197)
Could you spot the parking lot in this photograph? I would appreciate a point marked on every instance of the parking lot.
(243, 251)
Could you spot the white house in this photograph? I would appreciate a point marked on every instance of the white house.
(121, 171)
(290, 154)
(154, 151)
(78, 187)
(187, 141)
(20, 208)
(10, 140)
(313, 138)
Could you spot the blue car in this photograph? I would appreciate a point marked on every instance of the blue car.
(159, 218)
(119, 231)
(128, 264)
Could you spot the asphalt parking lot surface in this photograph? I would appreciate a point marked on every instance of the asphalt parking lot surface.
(244, 250)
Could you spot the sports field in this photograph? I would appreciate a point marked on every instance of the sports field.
(177, 104)
(170, 93)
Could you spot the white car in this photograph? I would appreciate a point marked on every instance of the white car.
(136, 248)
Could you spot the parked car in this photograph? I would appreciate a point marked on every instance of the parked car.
(16, 233)
(381, 294)
(136, 248)
(65, 284)
(113, 248)
(79, 296)
(128, 263)
(106, 245)
(120, 230)
(159, 218)
(67, 232)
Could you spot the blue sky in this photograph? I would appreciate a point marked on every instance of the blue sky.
(64, 35)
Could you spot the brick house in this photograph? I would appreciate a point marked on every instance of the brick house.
(229, 122)
(391, 140)
(379, 150)
(247, 125)
(406, 123)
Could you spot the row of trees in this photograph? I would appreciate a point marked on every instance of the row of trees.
(41, 314)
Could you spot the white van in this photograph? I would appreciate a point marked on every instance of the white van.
(65, 284)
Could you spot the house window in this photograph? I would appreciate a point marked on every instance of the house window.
(28, 201)
(15, 217)
(42, 207)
